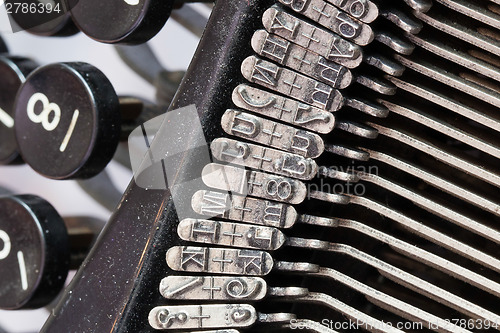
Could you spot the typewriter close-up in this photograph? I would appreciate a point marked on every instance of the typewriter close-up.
(311, 165)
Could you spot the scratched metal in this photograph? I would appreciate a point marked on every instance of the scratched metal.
(419, 5)
(218, 288)
(378, 85)
(401, 20)
(395, 42)
(334, 19)
(300, 59)
(462, 31)
(178, 317)
(474, 9)
(386, 65)
(291, 83)
(272, 133)
(282, 108)
(368, 107)
(230, 234)
(219, 260)
(244, 209)
(263, 158)
(254, 183)
(364, 10)
(318, 40)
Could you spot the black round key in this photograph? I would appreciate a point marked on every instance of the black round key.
(34, 252)
(13, 72)
(67, 121)
(120, 21)
(44, 18)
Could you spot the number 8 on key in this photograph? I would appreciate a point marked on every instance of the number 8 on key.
(67, 120)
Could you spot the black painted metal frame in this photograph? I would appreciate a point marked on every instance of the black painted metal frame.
(117, 285)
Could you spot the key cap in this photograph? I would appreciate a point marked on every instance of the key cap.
(69, 120)
(13, 72)
(43, 18)
(36, 252)
(120, 21)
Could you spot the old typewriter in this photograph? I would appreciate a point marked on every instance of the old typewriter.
(324, 166)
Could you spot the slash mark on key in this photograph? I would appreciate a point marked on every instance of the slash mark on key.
(6, 119)
(22, 270)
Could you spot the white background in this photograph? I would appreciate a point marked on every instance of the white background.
(173, 45)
